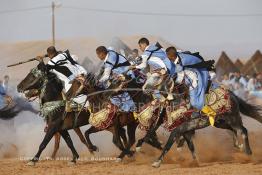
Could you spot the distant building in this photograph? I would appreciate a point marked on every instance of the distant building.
(253, 65)
(224, 65)
(239, 64)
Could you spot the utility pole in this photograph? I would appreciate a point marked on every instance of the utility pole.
(53, 6)
(53, 23)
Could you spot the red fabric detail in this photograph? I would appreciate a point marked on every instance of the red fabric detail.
(110, 119)
(186, 117)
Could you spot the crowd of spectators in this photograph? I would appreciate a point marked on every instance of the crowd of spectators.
(244, 85)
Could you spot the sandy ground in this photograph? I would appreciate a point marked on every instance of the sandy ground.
(11, 166)
(215, 157)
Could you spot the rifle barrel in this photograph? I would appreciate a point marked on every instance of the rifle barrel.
(22, 62)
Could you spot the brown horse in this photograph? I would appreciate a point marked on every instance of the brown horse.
(98, 97)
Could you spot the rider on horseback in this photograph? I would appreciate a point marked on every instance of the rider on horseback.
(115, 65)
(66, 68)
(192, 70)
(159, 65)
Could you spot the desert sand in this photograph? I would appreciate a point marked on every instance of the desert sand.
(215, 153)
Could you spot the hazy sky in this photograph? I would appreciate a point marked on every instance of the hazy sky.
(239, 36)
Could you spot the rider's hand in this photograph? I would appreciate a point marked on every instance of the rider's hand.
(121, 78)
(131, 67)
(40, 58)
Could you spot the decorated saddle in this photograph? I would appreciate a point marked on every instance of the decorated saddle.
(177, 115)
(218, 99)
(147, 115)
(103, 118)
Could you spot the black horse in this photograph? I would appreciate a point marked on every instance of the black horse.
(231, 121)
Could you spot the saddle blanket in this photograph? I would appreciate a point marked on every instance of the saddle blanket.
(219, 100)
(103, 118)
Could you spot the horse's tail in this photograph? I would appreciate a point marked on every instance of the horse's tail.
(250, 110)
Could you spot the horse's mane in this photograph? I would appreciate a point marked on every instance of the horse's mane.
(91, 79)
(54, 80)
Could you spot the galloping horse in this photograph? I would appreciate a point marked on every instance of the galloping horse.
(229, 120)
(98, 98)
(58, 121)
(33, 94)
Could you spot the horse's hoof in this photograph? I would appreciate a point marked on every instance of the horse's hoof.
(71, 163)
(138, 149)
(118, 160)
(131, 154)
(92, 152)
(93, 149)
(30, 163)
(156, 164)
(249, 152)
(241, 147)
(194, 163)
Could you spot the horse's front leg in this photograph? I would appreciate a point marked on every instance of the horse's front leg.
(167, 147)
(48, 136)
(56, 146)
(70, 144)
(188, 138)
(90, 145)
(117, 141)
(82, 138)
(150, 136)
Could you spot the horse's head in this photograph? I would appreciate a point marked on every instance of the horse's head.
(34, 79)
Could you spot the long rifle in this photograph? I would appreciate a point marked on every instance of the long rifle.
(22, 62)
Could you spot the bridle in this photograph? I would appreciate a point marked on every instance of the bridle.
(43, 81)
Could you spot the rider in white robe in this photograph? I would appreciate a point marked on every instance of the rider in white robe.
(66, 68)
